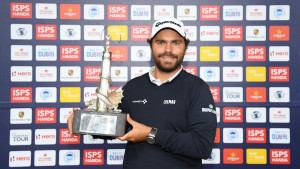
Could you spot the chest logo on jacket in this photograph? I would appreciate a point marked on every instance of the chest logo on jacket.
(140, 101)
(169, 101)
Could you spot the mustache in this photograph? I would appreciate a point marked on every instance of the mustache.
(167, 54)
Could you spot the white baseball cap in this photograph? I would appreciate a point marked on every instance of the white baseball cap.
(172, 23)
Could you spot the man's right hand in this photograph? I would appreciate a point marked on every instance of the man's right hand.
(70, 120)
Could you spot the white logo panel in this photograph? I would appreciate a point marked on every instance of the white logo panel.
(45, 11)
(232, 13)
(21, 31)
(21, 73)
(279, 114)
(209, 33)
(256, 115)
(64, 114)
(279, 136)
(187, 12)
(190, 54)
(88, 139)
(70, 74)
(279, 94)
(191, 33)
(119, 74)
(279, 12)
(45, 136)
(45, 53)
(232, 74)
(140, 12)
(21, 52)
(210, 74)
(232, 53)
(45, 94)
(163, 11)
(232, 94)
(94, 12)
(140, 53)
(93, 53)
(214, 157)
(256, 12)
(44, 158)
(279, 53)
(69, 157)
(138, 71)
(19, 159)
(115, 156)
(233, 135)
(20, 116)
(89, 93)
(93, 32)
(20, 137)
(70, 32)
(256, 33)
(46, 74)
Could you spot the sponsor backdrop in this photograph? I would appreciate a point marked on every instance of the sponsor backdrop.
(247, 51)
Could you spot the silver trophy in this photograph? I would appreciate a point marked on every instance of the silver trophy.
(102, 117)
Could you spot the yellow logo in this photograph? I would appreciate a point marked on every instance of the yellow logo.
(70, 94)
(256, 156)
(255, 74)
(210, 53)
(118, 32)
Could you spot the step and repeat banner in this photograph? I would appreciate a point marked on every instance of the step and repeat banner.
(51, 53)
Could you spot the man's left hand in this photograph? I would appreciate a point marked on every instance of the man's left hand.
(138, 133)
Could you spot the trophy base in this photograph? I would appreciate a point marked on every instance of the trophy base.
(99, 123)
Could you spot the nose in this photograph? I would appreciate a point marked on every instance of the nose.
(168, 47)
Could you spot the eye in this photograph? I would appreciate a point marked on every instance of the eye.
(160, 43)
(177, 43)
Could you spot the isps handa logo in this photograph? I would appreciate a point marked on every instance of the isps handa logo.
(21, 95)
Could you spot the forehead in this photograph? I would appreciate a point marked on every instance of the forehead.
(168, 34)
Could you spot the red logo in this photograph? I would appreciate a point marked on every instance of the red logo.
(232, 33)
(117, 12)
(232, 114)
(280, 156)
(21, 95)
(209, 13)
(217, 138)
(69, 11)
(119, 53)
(140, 33)
(191, 70)
(45, 115)
(256, 53)
(279, 33)
(45, 32)
(93, 157)
(279, 74)
(91, 74)
(256, 135)
(233, 156)
(66, 138)
(20, 10)
(70, 53)
(256, 94)
(215, 91)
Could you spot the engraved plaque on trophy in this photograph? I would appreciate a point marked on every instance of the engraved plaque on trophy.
(102, 117)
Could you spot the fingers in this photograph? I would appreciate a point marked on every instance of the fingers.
(70, 123)
(130, 121)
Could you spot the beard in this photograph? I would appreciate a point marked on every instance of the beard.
(168, 66)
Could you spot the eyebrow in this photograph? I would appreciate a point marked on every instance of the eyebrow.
(161, 40)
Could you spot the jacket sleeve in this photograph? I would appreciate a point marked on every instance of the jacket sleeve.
(198, 140)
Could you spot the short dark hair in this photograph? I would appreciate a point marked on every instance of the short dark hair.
(186, 42)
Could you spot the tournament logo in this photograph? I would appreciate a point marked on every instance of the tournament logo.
(44, 157)
(279, 94)
(140, 33)
(232, 74)
(45, 136)
(232, 135)
(279, 136)
(21, 31)
(69, 157)
(209, 13)
(70, 53)
(118, 32)
(93, 32)
(210, 74)
(45, 115)
(93, 157)
(256, 135)
(215, 91)
(45, 94)
(256, 115)
(233, 156)
(279, 33)
(280, 156)
(140, 53)
(232, 114)
(46, 74)
(70, 32)
(279, 74)
(66, 138)
(119, 53)
(256, 94)
(21, 95)
(115, 156)
(70, 11)
(20, 10)
(20, 137)
(117, 12)
(279, 12)
(191, 70)
(46, 32)
(232, 33)
(140, 12)
(91, 74)
(255, 53)
(255, 74)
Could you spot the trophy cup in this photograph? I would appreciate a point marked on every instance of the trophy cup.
(102, 118)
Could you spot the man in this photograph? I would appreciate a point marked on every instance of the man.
(172, 112)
